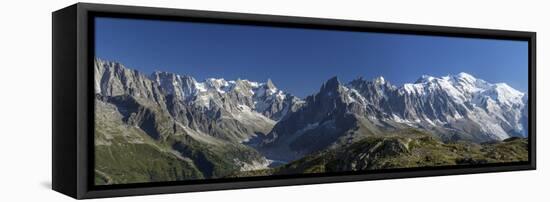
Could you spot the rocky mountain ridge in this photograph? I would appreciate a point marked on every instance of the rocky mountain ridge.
(216, 127)
(454, 107)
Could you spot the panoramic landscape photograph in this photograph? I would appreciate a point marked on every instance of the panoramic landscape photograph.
(179, 101)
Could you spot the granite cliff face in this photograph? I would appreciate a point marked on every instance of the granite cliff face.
(230, 110)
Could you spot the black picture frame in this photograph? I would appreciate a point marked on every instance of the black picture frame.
(73, 94)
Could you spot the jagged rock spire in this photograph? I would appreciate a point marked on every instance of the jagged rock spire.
(332, 83)
(269, 84)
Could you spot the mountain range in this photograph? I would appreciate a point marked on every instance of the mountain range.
(217, 128)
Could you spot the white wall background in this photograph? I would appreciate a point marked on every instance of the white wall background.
(25, 102)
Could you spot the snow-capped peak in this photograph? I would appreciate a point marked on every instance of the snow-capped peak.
(496, 108)
(217, 83)
(506, 89)
(505, 94)
(269, 85)
(462, 76)
(466, 76)
(211, 91)
(220, 85)
(425, 79)
(379, 80)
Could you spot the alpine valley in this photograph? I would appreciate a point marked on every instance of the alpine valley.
(170, 127)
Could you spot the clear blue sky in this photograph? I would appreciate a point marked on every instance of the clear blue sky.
(300, 60)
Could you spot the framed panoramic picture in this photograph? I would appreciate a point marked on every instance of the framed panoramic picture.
(153, 100)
